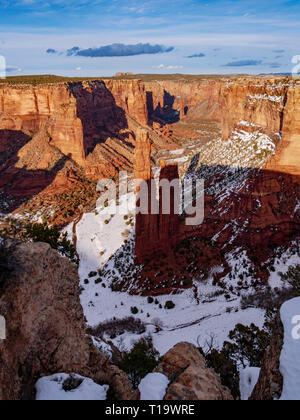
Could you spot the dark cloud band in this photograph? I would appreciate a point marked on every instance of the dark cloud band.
(116, 50)
(244, 63)
(196, 55)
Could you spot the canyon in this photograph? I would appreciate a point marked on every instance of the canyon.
(58, 140)
(241, 135)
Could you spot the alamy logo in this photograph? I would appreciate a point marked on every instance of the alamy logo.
(2, 328)
(155, 197)
(2, 67)
(296, 329)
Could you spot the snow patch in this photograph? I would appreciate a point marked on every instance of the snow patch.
(154, 387)
(50, 388)
(248, 380)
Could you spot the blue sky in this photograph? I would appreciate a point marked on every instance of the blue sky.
(155, 36)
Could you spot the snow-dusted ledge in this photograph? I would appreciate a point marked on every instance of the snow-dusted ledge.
(290, 355)
(50, 388)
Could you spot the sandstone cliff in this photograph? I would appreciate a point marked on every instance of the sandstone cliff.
(157, 228)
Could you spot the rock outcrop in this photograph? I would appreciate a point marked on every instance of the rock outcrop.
(46, 331)
(189, 377)
(270, 383)
(157, 220)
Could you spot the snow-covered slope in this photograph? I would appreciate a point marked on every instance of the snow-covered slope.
(194, 320)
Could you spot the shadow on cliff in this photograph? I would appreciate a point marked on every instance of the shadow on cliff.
(244, 207)
(11, 142)
(165, 113)
(18, 184)
(101, 117)
(259, 215)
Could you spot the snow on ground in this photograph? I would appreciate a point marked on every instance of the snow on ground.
(176, 152)
(101, 234)
(287, 259)
(290, 355)
(248, 380)
(193, 320)
(106, 241)
(266, 97)
(229, 163)
(153, 387)
(50, 388)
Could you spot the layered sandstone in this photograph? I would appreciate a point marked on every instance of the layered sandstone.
(90, 128)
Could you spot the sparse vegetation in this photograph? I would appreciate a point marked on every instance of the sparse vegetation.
(41, 232)
(293, 278)
(140, 361)
(116, 327)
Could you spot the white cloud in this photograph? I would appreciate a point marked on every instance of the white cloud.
(163, 67)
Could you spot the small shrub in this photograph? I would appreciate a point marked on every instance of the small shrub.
(134, 310)
(226, 368)
(93, 274)
(117, 327)
(150, 300)
(140, 361)
(170, 305)
(52, 236)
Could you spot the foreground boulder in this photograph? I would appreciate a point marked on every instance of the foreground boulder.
(46, 331)
(189, 377)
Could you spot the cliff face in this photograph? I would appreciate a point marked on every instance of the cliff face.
(202, 97)
(79, 116)
(29, 109)
(156, 232)
(288, 155)
(269, 104)
(76, 115)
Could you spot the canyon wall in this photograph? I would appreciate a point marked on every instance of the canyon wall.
(79, 116)
(88, 129)
(270, 104)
